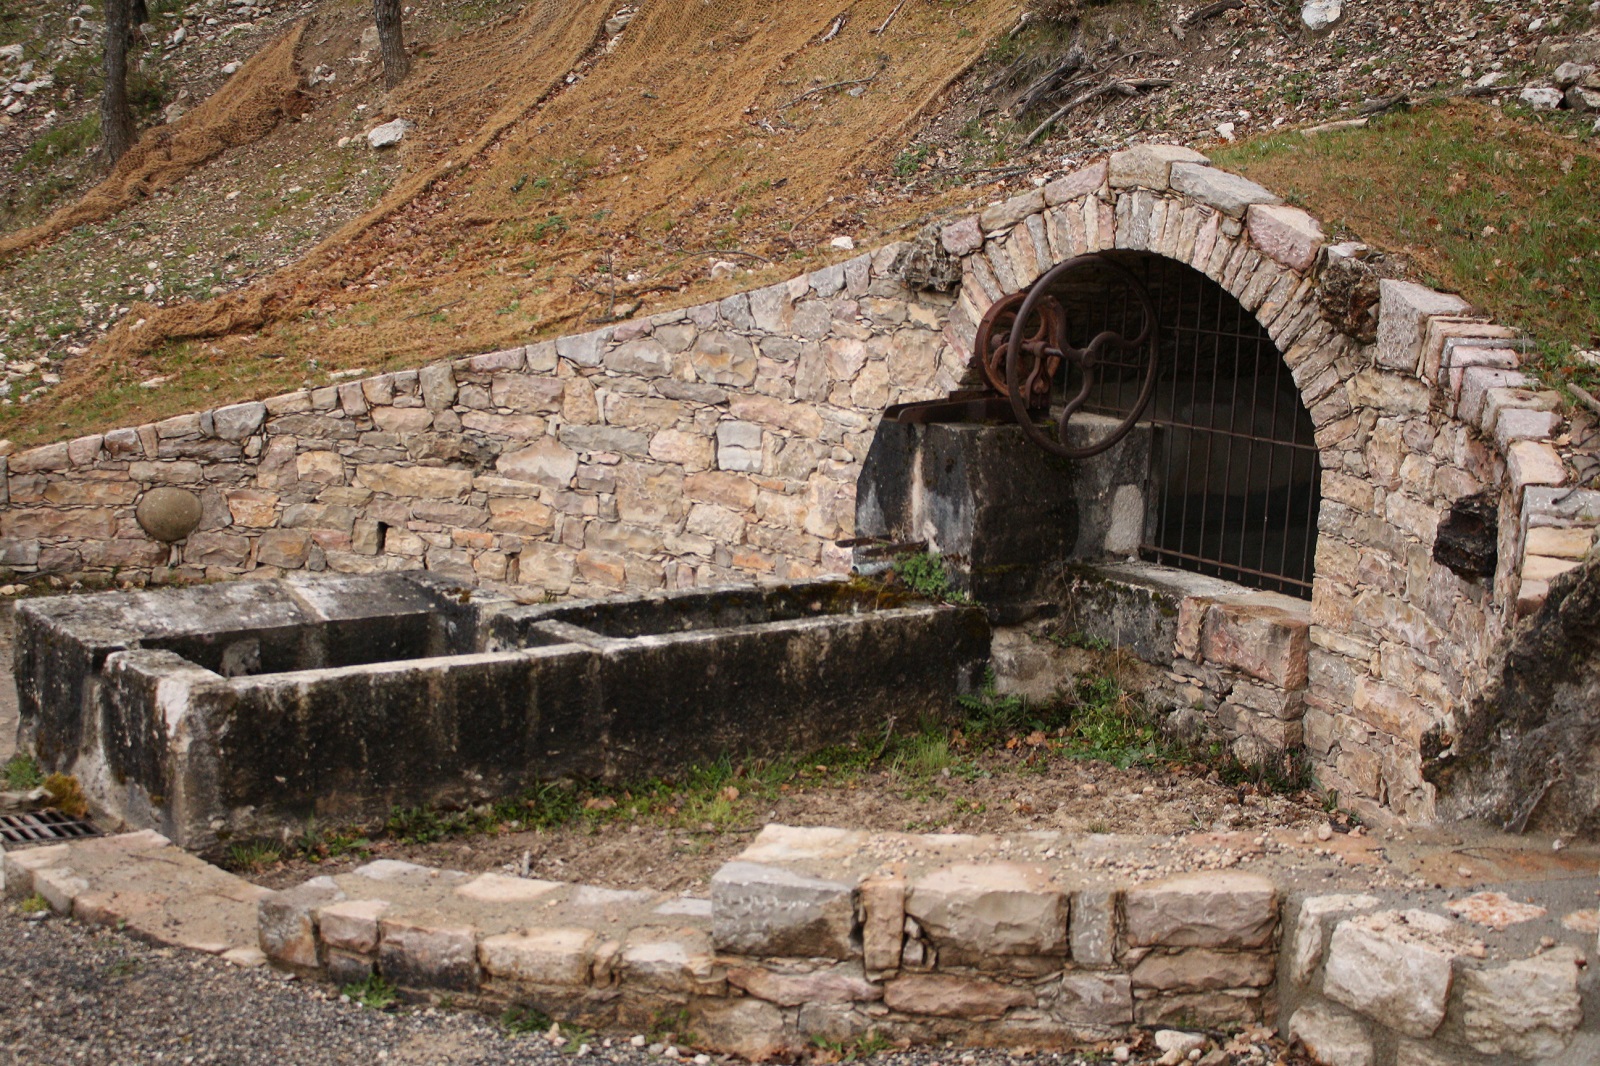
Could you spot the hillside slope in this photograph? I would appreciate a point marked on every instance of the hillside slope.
(575, 161)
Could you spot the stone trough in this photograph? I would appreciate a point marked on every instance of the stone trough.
(232, 711)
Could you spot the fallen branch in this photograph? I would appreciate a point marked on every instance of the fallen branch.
(1211, 11)
(824, 88)
(1073, 60)
(1131, 87)
(879, 31)
(833, 31)
(709, 251)
(1588, 400)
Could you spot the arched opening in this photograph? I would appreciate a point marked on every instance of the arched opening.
(1234, 471)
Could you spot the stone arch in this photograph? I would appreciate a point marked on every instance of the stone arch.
(1432, 414)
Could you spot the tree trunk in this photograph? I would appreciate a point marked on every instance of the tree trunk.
(116, 119)
(390, 44)
(140, 14)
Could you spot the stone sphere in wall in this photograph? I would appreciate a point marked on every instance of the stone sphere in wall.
(168, 514)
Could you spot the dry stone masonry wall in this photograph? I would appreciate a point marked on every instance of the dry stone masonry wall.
(725, 441)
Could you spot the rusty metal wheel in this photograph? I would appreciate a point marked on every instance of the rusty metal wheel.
(1023, 357)
(1046, 332)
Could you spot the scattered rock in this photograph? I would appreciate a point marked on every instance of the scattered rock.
(1541, 98)
(389, 134)
(1320, 15)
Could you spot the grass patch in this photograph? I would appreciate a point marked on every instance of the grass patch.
(23, 773)
(253, 856)
(372, 992)
(1497, 205)
(34, 904)
(925, 574)
(521, 1021)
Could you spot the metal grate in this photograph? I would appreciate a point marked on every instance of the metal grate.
(43, 826)
(1234, 463)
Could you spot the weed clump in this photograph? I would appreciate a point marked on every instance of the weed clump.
(22, 773)
(372, 992)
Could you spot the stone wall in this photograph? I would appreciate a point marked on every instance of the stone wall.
(717, 443)
(725, 441)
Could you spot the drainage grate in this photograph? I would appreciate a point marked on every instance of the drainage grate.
(42, 826)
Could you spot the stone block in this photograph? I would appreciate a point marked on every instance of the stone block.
(540, 956)
(991, 909)
(748, 1028)
(286, 921)
(1285, 234)
(1267, 637)
(1395, 969)
(1309, 932)
(1008, 213)
(1203, 970)
(416, 953)
(1530, 462)
(545, 462)
(767, 910)
(1148, 166)
(739, 446)
(352, 925)
(883, 907)
(428, 482)
(1404, 308)
(662, 959)
(1093, 932)
(950, 996)
(1529, 1007)
(1559, 542)
(1081, 182)
(1331, 1036)
(1523, 423)
(1211, 910)
(839, 984)
(1090, 998)
(438, 384)
(289, 549)
(584, 349)
(1228, 193)
(239, 420)
(963, 237)
(724, 359)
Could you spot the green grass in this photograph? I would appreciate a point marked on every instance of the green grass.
(925, 574)
(1499, 206)
(253, 856)
(34, 904)
(519, 1021)
(23, 773)
(372, 992)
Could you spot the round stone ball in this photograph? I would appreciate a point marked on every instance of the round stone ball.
(168, 514)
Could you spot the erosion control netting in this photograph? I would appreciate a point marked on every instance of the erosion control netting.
(247, 107)
(610, 169)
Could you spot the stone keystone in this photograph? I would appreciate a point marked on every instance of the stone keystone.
(1149, 166)
(767, 910)
(1203, 910)
(1228, 193)
(992, 909)
(1394, 968)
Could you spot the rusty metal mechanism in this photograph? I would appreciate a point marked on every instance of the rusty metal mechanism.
(1026, 352)
(1040, 345)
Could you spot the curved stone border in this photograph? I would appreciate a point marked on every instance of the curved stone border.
(1040, 940)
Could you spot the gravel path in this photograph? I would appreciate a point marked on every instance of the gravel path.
(74, 994)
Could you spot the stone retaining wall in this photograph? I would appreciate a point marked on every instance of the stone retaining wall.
(829, 935)
(725, 441)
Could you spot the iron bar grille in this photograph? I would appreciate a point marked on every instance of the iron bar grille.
(1234, 470)
(40, 827)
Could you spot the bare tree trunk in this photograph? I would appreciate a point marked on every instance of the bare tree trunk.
(396, 64)
(116, 119)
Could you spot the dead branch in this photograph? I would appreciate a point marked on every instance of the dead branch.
(1587, 399)
(1211, 11)
(879, 31)
(1072, 61)
(824, 88)
(1130, 87)
(833, 30)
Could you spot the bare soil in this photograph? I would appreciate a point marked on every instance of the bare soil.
(1006, 790)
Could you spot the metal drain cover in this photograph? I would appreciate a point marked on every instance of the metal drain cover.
(42, 826)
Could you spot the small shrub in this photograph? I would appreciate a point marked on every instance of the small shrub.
(372, 992)
(924, 573)
(23, 773)
(415, 825)
(66, 795)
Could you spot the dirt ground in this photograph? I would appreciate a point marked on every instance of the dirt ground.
(1000, 792)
